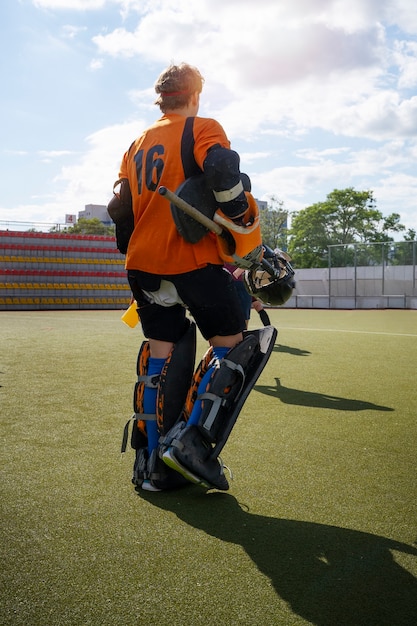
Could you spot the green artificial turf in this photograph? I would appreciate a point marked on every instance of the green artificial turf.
(319, 525)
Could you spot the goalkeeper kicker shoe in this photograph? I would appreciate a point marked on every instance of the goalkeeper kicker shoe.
(147, 485)
(189, 455)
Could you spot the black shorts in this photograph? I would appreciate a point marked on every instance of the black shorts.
(244, 297)
(208, 293)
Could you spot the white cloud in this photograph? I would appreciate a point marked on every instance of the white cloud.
(377, 169)
(403, 14)
(52, 154)
(405, 58)
(71, 32)
(120, 42)
(90, 179)
(16, 152)
(74, 5)
(395, 191)
(96, 64)
(252, 157)
(318, 95)
(311, 65)
(48, 156)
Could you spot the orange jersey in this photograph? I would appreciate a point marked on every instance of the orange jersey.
(167, 153)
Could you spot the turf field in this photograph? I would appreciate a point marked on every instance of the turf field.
(320, 523)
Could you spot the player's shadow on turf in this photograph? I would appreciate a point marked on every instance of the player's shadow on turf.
(290, 350)
(330, 576)
(289, 395)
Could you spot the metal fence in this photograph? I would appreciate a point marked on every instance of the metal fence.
(373, 275)
(42, 227)
(361, 276)
(368, 276)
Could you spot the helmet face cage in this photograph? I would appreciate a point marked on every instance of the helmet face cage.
(269, 289)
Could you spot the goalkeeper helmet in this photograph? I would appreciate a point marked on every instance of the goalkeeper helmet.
(272, 289)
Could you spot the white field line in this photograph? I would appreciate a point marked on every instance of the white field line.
(342, 330)
(94, 320)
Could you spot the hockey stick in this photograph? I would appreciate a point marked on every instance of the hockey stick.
(192, 211)
(264, 317)
(210, 225)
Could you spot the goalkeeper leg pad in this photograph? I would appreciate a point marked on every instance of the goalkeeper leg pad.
(189, 448)
(219, 425)
(139, 439)
(172, 386)
(225, 387)
(193, 451)
(175, 380)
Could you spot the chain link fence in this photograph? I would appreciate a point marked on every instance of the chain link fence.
(373, 275)
(360, 276)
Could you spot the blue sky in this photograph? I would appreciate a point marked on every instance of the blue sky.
(315, 95)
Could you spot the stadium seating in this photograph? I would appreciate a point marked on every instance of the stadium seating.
(60, 271)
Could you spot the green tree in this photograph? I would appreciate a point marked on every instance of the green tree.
(273, 221)
(346, 216)
(410, 235)
(86, 226)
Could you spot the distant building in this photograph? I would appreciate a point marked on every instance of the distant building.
(98, 211)
(262, 204)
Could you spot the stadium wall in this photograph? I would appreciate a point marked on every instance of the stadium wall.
(41, 270)
(379, 287)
